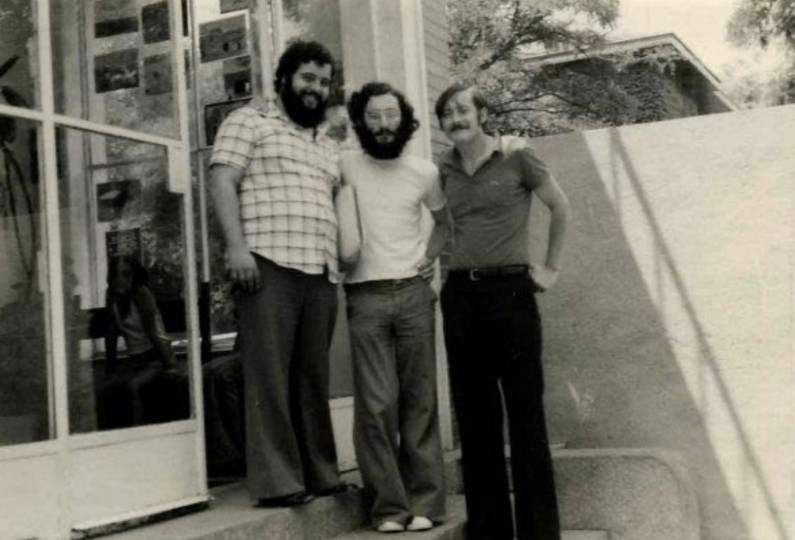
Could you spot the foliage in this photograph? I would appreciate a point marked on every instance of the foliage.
(748, 88)
(487, 32)
(490, 43)
(767, 25)
(762, 22)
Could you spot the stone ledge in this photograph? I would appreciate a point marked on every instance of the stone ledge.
(454, 528)
(620, 494)
(231, 516)
(635, 494)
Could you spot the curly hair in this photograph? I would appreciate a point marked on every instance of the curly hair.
(297, 54)
(358, 103)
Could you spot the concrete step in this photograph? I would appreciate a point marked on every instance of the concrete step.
(453, 528)
(584, 535)
(341, 517)
(231, 516)
(635, 494)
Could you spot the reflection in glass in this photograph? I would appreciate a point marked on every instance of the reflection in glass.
(221, 301)
(112, 63)
(18, 82)
(123, 257)
(227, 62)
(24, 404)
(317, 20)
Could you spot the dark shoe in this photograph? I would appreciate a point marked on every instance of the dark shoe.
(342, 487)
(294, 499)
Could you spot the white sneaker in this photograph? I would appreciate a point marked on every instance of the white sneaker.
(390, 527)
(420, 523)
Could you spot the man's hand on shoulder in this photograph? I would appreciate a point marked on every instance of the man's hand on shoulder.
(543, 276)
(242, 269)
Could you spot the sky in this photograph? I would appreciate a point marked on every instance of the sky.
(700, 24)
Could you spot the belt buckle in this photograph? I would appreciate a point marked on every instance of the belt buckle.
(475, 275)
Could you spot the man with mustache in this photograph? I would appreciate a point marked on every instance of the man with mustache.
(273, 176)
(391, 314)
(491, 322)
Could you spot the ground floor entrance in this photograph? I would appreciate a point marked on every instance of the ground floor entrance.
(107, 118)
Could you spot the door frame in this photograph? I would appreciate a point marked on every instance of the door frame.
(47, 480)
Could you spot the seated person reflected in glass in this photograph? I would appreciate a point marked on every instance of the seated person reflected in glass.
(134, 315)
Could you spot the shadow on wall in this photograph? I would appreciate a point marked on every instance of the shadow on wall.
(617, 372)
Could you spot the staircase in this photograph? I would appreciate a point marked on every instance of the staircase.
(603, 495)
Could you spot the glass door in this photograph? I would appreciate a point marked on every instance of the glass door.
(29, 446)
(99, 416)
(135, 442)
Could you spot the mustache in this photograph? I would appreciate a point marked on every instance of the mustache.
(459, 125)
(312, 93)
(384, 131)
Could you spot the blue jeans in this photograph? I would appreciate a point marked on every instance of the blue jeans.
(396, 427)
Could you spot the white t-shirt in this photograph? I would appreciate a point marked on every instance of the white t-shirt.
(390, 195)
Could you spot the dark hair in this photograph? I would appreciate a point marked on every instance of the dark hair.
(139, 274)
(140, 277)
(478, 99)
(359, 100)
(297, 54)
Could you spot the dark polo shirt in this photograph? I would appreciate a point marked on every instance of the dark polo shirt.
(490, 209)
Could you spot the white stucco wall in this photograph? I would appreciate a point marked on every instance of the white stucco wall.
(672, 324)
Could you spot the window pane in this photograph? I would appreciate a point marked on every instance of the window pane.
(228, 65)
(112, 63)
(317, 20)
(18, 51)
(123, 256)
(24, 376)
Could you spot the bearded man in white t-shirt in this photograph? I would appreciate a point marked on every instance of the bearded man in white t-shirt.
(391, 309)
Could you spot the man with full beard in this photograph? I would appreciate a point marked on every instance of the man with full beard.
(391, 314)
(273, 175)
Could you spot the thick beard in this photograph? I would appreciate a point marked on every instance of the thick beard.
(300, 113)
(390, 150)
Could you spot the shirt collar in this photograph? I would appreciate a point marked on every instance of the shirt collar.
(264, 105)
(453, 157)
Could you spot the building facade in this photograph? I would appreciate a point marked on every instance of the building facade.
(108, 113)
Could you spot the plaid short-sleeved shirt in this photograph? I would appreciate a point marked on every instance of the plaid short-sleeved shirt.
(286, 194)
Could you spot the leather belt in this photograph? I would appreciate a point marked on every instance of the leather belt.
(477, 274)
(384, 283)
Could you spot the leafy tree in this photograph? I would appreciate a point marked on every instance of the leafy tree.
(763, 22)
(767, 25)
(491, 39)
